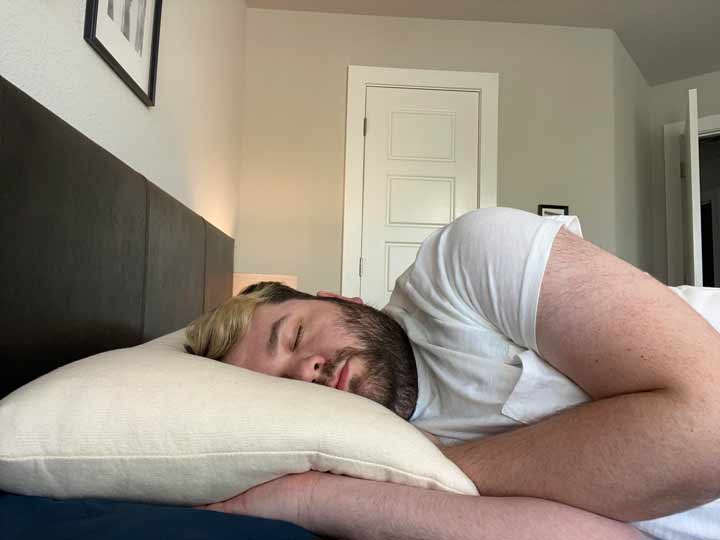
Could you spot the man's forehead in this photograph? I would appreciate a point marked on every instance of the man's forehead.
(266, 314)
(295, 303)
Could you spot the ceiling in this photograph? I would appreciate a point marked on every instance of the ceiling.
(668, 39)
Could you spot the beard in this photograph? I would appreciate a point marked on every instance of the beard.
(392, 385)
(383, 350)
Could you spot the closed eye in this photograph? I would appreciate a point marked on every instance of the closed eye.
(298, 337)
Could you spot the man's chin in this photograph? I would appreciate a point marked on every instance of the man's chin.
(368, 391)
(363, 385)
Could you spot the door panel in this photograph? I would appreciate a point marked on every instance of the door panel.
(398, 257)
(423, 135)
(417, 201)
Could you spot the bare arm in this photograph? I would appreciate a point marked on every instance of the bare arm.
(648, 446)
(352, 509)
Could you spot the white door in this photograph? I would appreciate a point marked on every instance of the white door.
(420, 173)
(691, 195)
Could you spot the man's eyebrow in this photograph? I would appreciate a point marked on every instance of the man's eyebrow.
(273, 340)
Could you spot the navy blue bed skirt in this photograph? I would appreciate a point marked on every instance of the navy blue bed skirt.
(31, 518)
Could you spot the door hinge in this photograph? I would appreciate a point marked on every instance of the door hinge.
(360, 269)
(683, 172)
(364, 127)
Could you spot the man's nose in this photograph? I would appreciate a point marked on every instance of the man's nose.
(310, 368)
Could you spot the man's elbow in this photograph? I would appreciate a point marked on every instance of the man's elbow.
(695, 413)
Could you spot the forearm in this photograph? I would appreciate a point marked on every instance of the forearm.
(647, 445)
(630, 457)
(354, 509)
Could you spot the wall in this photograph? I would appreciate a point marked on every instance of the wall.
(556, 133)
(188, 144)
(633, 186)
(668, 105)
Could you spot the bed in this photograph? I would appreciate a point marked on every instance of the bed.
(95, 257)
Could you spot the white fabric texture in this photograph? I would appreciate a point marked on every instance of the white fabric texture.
(154, 424)
(469, 306)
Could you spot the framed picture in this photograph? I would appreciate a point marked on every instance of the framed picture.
(126, 33)
(553, 210)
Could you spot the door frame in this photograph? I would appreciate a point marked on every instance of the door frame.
(707, 127)
(359, 78)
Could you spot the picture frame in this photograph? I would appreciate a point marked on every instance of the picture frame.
(553, 210)
(126, 34)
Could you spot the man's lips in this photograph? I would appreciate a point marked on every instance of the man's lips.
(342, 380)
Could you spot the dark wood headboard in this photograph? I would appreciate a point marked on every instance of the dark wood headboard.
(94, 256)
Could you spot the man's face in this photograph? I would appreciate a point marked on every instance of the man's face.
(306, 340)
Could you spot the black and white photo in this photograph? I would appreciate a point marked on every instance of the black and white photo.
(553, 210)
(126, 34)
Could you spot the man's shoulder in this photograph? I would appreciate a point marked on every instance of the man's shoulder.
(491, 216)
(485, 222)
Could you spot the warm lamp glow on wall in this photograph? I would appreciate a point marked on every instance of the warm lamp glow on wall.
(240, 280)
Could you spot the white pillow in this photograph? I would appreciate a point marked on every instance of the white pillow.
(154, 424)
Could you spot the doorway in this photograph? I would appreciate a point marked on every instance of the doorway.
(420, 173)
(421, 149)
(710, 209)
(683, 169)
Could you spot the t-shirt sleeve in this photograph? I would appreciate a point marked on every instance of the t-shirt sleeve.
(487, 268)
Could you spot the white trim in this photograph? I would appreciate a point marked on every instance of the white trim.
(707, 127)
(359, 78)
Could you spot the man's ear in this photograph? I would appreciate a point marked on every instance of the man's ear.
(328, 294)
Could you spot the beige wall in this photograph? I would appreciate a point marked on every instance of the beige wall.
(668, 103)
(556, 133)
(633, 189)
(188, 144)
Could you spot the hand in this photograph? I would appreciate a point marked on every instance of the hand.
(286, 498)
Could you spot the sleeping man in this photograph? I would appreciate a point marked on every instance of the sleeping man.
(574, 390)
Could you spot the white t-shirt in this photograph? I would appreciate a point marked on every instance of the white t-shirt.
(469, 306)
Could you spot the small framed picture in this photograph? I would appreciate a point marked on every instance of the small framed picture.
(126, 34)
(553, 210)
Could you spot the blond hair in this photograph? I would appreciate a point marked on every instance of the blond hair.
(213, 334)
